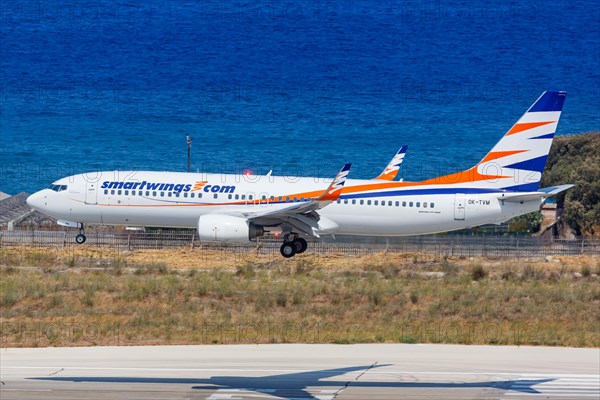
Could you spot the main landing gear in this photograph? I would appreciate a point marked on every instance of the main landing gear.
(80, 238)
(292, 245)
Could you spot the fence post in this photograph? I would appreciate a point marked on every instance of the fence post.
(193, 241)
(129, 241)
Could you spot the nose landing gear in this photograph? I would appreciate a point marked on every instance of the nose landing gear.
(292, 245)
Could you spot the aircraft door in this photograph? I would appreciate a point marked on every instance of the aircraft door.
(459, 206)
(91, 193)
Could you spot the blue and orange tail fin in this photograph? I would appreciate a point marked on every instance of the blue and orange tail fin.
(517, 161)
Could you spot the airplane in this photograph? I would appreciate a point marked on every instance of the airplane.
(239, 208)
(392, 169)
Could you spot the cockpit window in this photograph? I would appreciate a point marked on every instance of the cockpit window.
(57, 188)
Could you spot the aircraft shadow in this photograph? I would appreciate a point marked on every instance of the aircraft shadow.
(284, 385)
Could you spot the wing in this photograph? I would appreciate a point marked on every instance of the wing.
(301, 216)
(532, 196)
(390, 172)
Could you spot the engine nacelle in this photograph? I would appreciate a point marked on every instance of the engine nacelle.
(227, 228)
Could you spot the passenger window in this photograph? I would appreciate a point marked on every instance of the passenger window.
(403, 204)
(397, 203)
(362, 202)
(154, 194)
(127, 193)
(410, 204)
(389, 203)
(215, 195)
(243, 197)
(147, 193)
(424, 204)
(376, 202)
(199, 195)
(119, 192)
(280, 198)
(105, 191)
(162, 194)
(353, 201)
(264, 197)
(192, 195)
(230, 196)
(345, 201)
(432, 205)
(339, 201)
(185, 195)
(418, 204)
(250, 197)
(237, 196)
(368, 202)
(170, 194)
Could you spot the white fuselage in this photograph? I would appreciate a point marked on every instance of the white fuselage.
(366, 207)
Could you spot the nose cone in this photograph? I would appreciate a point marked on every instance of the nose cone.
(35, 201)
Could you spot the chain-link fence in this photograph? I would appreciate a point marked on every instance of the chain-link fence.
(434, 245)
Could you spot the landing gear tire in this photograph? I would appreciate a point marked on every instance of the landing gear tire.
(288, 249)
(301, 245)
(80, 238)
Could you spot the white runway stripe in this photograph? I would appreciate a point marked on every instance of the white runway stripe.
(567, 386)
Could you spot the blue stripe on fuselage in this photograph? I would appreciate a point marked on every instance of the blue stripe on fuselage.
(420, 192)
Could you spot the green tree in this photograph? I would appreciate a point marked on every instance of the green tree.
(526, 223)
(576, 159)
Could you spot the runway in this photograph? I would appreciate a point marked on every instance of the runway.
(370, 371)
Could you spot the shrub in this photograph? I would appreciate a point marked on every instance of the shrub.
(478, 272)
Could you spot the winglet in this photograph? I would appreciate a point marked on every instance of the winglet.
(335, 188)
(390, 172)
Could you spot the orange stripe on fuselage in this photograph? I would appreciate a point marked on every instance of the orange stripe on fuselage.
(527, 125)
(470, 175)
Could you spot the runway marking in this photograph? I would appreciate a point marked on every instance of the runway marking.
(573, 386)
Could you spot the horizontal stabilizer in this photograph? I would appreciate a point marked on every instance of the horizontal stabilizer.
(554, 190)
(532, 196)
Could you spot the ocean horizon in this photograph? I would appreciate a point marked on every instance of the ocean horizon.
(297, 88)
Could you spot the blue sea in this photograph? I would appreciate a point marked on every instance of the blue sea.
(297, 87)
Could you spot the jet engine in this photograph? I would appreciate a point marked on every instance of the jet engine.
(227, 228)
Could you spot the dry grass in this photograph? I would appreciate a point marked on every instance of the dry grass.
(94, 296)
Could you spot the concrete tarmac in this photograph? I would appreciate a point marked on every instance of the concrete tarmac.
(290, 371)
